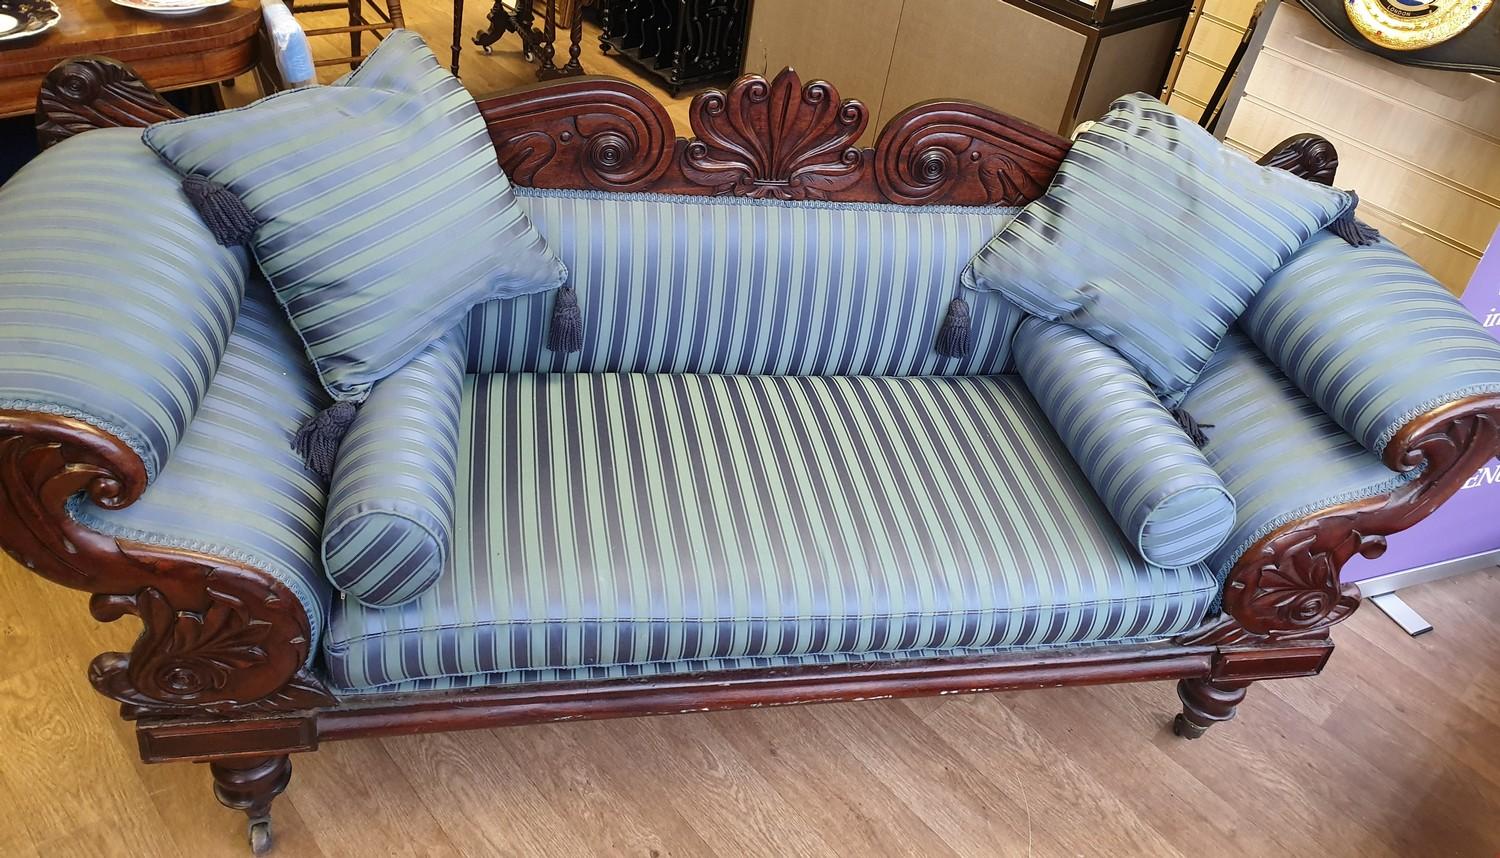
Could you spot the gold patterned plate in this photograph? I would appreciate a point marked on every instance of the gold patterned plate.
(22, 19)
(1410, 25)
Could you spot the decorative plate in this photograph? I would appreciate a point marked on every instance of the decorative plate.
(169, 7)
(20, 19)
(1409, 25)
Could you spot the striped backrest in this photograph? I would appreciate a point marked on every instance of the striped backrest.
(749, 287)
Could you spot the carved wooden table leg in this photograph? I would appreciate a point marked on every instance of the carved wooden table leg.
(251, 785)
(1206, 703)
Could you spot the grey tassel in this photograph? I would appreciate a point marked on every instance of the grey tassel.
(565, 332)
(1352, 229)
(223, 212)
(318, 440)
(1192, 427)
(953, 338)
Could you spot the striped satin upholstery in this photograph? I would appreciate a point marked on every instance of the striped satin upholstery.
(1152, 238)
(739, 286)
(233, 487)
(617, 519)
(389, 528)
(1371, 337)
(1156, 483)
(1278, 453)
(384, 216)
(115, 302)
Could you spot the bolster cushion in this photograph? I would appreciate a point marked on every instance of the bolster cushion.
(389, 530)
(1157, 485)
(1370, 337)
(115, 301)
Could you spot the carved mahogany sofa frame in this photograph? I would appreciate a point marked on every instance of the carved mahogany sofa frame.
(217, 674)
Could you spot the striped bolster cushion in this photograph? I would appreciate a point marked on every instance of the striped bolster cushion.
(389, 528)
(383, 214)
(1157, 485)
(1371, 337)
(1152, 238)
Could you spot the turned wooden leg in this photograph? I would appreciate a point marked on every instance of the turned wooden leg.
(251, 785)
(1204, 704)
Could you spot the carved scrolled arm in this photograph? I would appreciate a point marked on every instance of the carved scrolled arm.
(217, 637)
(1310, 156)
(1287, 585)
(94, 92)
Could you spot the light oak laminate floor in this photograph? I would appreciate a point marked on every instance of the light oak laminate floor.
(1393, 751)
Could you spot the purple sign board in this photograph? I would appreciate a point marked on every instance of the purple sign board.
(1467, 523)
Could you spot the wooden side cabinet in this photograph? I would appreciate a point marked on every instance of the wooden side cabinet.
(678, 42)
(1053, 63)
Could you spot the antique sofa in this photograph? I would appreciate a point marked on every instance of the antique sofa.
(733, 495)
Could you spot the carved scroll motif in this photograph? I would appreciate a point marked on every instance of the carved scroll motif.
(94, 92)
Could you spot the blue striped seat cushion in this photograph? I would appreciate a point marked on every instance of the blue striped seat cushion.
(383, 215)
(389, 529)
(1280, 455)
(115, 301)
(749, 287)
(1152, 237)
(233, 487)
(613, 519)
(1157, 484)
(1371, 337)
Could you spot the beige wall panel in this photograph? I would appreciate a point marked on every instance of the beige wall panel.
(973, 49)
(1214, 41)
(1404, 192)
(1186, 106)
(1118, 69)
(1453, 267)
(1466, 99)
(1399, 130)
(845, 42)
(1233, 12)
(1198, 79)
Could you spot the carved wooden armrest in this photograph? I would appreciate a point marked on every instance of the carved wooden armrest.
(217, 636)
(1287, 585)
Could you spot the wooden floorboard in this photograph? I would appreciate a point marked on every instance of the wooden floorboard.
(1393, 751)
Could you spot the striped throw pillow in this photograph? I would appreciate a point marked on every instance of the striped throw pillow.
(1153, 238)
(382, 214)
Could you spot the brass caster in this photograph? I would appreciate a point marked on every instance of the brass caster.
(1187, 729)
(260, 836)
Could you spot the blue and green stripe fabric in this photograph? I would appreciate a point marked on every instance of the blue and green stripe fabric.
(1280, 455)
(1158, 486)
(740, 286)
(233, 487)
(1153, 237)
(115, 301)
(390, 521)
(383, 214)
(1371, 337)
(625, 519)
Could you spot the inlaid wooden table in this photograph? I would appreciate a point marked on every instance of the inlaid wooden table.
(168, 52)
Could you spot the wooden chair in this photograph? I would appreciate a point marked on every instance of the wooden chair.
(384, 18)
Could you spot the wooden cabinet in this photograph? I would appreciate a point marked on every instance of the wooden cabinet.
(678, 41)
(1050, 62)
